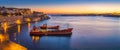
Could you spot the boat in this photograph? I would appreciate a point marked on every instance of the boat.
(64, 32)
(49, 27)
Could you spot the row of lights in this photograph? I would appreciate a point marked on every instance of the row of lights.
(18, 22)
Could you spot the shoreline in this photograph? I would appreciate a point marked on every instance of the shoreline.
(104, 15)
(12, 24)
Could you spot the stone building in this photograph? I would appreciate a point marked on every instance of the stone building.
(14, 11)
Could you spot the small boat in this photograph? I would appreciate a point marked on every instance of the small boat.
(49, 27)
(64, 32)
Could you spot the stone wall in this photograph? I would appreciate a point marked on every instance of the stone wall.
(10, 20)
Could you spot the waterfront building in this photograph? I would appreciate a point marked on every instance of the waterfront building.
(14, 11)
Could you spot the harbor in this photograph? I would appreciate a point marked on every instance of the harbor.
(87, 31)
(59, 24)
(13, 19)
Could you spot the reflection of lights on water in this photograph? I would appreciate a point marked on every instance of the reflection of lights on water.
(29, 26)
(5, 26)
(28, 20)
(15, 36)
(3, 38)
(5, 44)
(18, 22)
(18, 28)
(35, 38)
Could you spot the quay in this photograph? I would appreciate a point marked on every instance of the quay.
(15, 16)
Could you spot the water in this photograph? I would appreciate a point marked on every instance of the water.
(89, 33)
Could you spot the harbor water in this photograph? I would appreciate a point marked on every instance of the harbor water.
(89, 33)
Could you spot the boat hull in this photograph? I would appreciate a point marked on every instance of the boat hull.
(65, 32)
(51, 34)
(50, 27)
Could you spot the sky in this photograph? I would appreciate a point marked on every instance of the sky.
(66, 6)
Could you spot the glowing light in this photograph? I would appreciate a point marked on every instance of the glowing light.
(28, 19)
(4, 37)
(9, 45)
(35, 38)
(18, 28)
(1, 38)
(18, 21)
(5, 26)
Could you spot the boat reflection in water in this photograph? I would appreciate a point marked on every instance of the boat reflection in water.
(35, 38)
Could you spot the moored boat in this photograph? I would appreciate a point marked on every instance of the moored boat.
(49, 27)
(64, 32)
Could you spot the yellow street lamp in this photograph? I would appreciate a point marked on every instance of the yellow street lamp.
(18, 22)
(28, 19)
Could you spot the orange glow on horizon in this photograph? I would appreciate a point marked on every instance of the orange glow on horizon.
(79, 9)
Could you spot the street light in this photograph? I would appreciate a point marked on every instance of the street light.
(28, 19)
(18, 22)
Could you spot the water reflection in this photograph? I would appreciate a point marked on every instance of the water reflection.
(89, 33)
(4, 38)
(29, 26)
(5, 44)
(5, 26)
(92, 33)
(18, 28)
(35, 38)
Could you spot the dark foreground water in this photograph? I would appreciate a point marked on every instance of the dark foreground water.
(89, 33)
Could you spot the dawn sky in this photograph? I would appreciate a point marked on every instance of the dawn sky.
(66, 6)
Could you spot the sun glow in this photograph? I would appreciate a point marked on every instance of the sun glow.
(79, 8)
